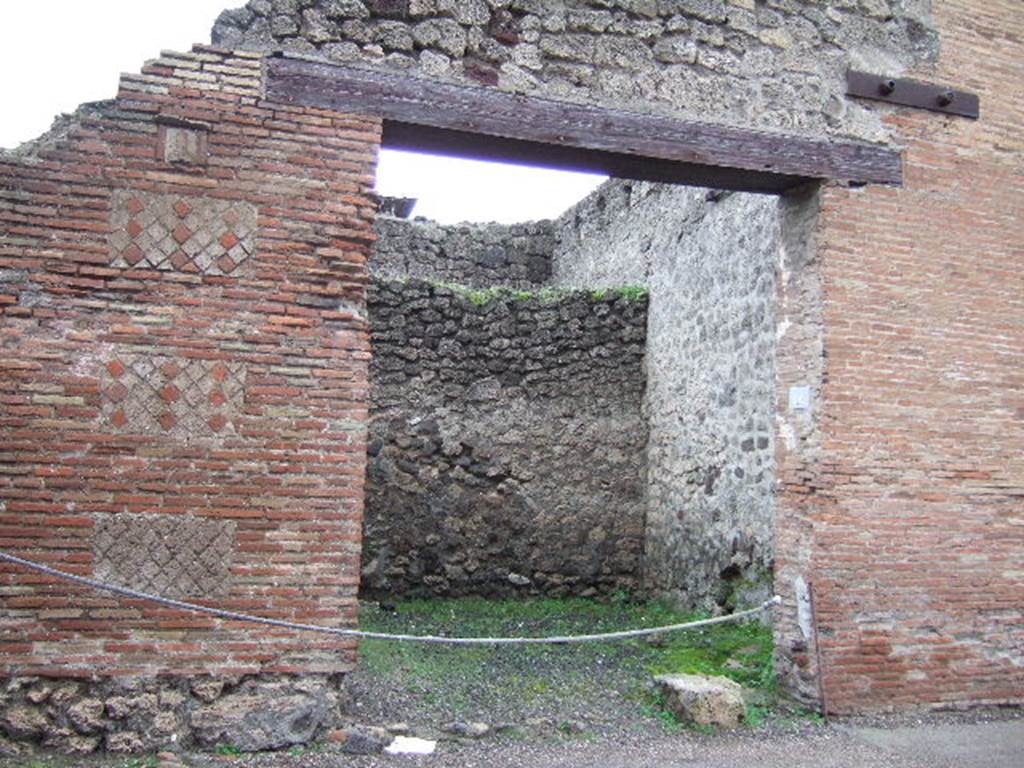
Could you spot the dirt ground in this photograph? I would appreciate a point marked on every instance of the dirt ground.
(975, 740)
(981, 739)
(942, 743)
(589, 706)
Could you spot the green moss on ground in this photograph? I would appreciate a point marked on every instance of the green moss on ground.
(469, 679)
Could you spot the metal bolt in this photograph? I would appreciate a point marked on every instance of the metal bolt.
(887, 86)
(946, 98)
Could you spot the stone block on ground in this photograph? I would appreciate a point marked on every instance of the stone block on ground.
(703, 699)
(470, 730)
(265, 718)
(361, 739)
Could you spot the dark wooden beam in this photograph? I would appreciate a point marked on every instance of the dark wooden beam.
(913, 93)
(477, 146)
(483, 122)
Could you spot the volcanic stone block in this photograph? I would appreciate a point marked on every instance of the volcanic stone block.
(703, 699)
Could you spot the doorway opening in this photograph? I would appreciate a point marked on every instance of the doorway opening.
(581, 404)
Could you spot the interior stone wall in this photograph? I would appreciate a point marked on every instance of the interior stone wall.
(475, 255)
(707, 259)
(706, 386)
(507, 443)
(767, 64)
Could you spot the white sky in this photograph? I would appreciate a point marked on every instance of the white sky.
(450, 190)
(56, 55)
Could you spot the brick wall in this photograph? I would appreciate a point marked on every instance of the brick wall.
(907, 510)
(183, 365)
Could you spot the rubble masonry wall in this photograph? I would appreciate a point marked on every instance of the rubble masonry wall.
(507, 443)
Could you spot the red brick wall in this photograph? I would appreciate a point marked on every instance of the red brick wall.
(906, 508)
(183, 355)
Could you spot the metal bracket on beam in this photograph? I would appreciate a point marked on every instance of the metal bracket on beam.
(912, 93)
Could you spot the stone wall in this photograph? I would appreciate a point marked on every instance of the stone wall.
(507, 442)
(142, 713)
(183, 368)
(708, 261)
(771, 64)
(475, 255)
(709, 469)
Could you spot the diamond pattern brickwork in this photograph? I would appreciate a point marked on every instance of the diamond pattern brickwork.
(181, 233)
(170, 555)
(146, 394)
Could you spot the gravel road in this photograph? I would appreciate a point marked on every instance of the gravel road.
(977, 740)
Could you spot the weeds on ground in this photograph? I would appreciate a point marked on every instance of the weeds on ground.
(312, 748)
(652, 705)
(799, 715)
(466, 679)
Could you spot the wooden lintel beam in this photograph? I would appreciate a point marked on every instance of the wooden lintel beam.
(485, 122)
(475, 146)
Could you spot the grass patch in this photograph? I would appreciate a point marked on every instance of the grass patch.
(547, 295)
(475, 679)
(632, 292)
(627, 292)
(652, 705)
(741, 652)
(483, 296)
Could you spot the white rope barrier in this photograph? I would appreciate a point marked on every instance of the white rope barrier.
(358, 633)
